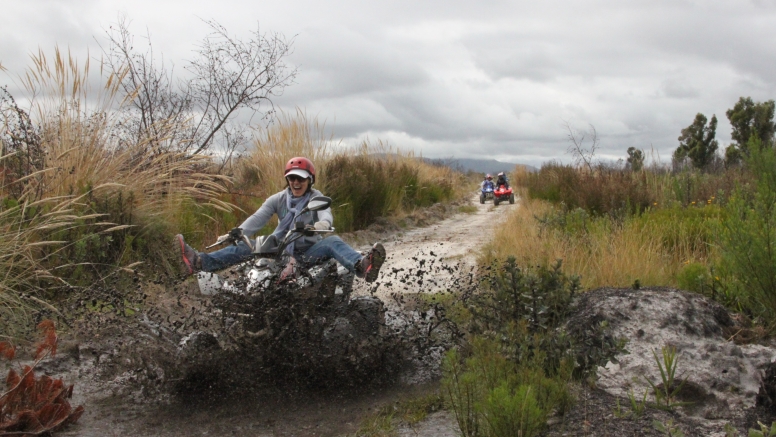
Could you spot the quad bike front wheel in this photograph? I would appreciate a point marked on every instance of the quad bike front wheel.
(482, 198)
(495, 201)
(511, 198)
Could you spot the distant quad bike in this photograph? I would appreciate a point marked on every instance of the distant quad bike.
(502, 194)
(306, 321)
(486, 193)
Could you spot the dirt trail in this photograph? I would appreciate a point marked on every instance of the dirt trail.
(432, 253)
(437, 251)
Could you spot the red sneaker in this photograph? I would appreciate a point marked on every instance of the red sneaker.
(369, 266)
(189, 257)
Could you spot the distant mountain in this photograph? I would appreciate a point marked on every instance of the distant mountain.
(469, 164)
(479, 165)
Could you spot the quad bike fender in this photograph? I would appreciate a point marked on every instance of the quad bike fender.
(211, 284)
(261, 273)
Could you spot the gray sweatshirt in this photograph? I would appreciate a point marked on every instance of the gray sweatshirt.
(276, 204)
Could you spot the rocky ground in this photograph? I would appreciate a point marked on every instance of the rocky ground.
(721, 366)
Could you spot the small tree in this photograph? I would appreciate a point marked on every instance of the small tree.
(697, 142)
(226, 75)
(733, 155)
(635, 160)
(583, 145)
(750, 119)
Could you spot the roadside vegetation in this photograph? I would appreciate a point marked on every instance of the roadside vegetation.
(703, 223)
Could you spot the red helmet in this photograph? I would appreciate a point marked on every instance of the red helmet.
(301, 166)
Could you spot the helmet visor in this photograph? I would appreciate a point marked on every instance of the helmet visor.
(304, 174)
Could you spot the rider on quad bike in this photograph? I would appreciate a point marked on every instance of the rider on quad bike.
(287, 205)
(487, 182)
(487, 188)
(502, 180)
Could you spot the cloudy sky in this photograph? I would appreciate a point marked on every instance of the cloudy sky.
(460, 78)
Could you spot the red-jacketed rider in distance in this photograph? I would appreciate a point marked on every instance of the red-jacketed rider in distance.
(502, 180)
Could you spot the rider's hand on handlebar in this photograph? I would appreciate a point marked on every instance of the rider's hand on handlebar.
(309, 230)
(322, 225)
(235, 235)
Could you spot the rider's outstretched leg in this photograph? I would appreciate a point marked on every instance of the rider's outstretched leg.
(225, 257)
(365, 266)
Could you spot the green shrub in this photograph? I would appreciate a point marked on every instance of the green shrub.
(492, 396)
(516, 368)
(462, 392)
(694, 277)
(748, 235)
(540, 296)
(513, 412)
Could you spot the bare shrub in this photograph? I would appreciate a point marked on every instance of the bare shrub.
(227, 75)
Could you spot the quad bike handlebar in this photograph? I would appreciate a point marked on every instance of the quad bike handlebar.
(299, 230)
(235, 236)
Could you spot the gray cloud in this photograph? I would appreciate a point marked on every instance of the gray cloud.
(336, 62)
(465, 78)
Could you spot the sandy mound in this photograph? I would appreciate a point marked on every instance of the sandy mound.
(723, 377)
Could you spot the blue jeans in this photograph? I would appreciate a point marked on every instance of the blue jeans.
(330, 247)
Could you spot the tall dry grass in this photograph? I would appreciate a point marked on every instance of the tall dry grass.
(368, 180)
(21, 270)
(603, 251)
(83, 150)
(260, 170)
(613, 190)
(77, 201)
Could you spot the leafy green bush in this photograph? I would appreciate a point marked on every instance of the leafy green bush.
(541, 297)
(694, 277)
(689, 230)
(516, 368)
(748, 235)
(493, 396)
(513, 412)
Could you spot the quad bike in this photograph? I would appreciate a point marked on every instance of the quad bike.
(486, 193)
(502, 194)
(289, 316)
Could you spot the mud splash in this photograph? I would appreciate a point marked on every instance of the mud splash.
(131, 374)
(187, 343)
